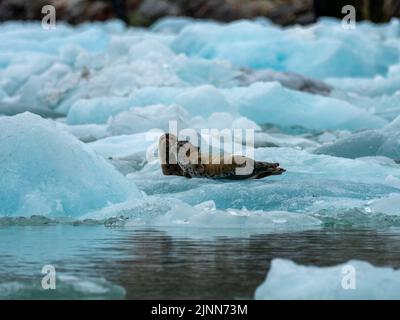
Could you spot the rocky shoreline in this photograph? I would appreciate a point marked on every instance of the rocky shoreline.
(145, 12)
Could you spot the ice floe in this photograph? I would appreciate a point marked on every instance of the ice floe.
(382, 142)
(311, 94)
(351, 280)
(47, 171)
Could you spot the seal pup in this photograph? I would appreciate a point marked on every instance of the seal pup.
(184, 159)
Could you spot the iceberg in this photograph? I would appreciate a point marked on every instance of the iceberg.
(86, 132)
(271, 103)
(110, 86)
(128, 153)
(144, 119)
(58, 177)
(351, 280)
(322, 101)
(389, 205)
(386, 84)
(96, 110)
(204, 216)
(260, 102)
(320, 51)
(146, 69)
(169, 213)
(312, 184)
(202, 100)
(385, 106)
(126, 145)
(382, 142)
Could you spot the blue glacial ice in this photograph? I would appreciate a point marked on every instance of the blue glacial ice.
(287, 49)
(112, 90)
(381, 142)
(288, 280)
(313, 184)
(260, 102)
(46, 171)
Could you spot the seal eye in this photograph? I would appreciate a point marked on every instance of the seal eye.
(182, 143)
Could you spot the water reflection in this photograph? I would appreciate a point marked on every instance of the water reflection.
(158, 266)
(172, 264)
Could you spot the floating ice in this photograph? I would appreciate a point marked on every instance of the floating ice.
(128, 153)
(312, 184)
(164, 212)
(68, 287)
(144, 119)
(383, 142)
(323, 50)
(204, 216)
(287, 79)
(385, 106)
(351, 280)
(90, 61)
(388, 205)
(96, 110)
(202, 100)
(372, 87)
(271, 103)
(110, 85)
(92, 72)
(47, 171)
(260, 102)
(86, 132)
(126, 145)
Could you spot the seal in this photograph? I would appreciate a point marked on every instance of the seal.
(184, 159)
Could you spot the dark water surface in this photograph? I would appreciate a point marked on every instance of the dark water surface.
(171, 263)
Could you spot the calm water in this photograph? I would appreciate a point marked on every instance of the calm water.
(101, 262)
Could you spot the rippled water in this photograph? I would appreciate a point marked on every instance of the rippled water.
(136, 263)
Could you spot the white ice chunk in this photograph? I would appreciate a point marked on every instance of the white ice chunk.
(168, 212)
(351, 280)
(388, 205)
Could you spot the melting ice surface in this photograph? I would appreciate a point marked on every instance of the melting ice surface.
(322, 101)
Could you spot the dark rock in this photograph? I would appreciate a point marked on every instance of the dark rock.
(145, 12)
(154, 9)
